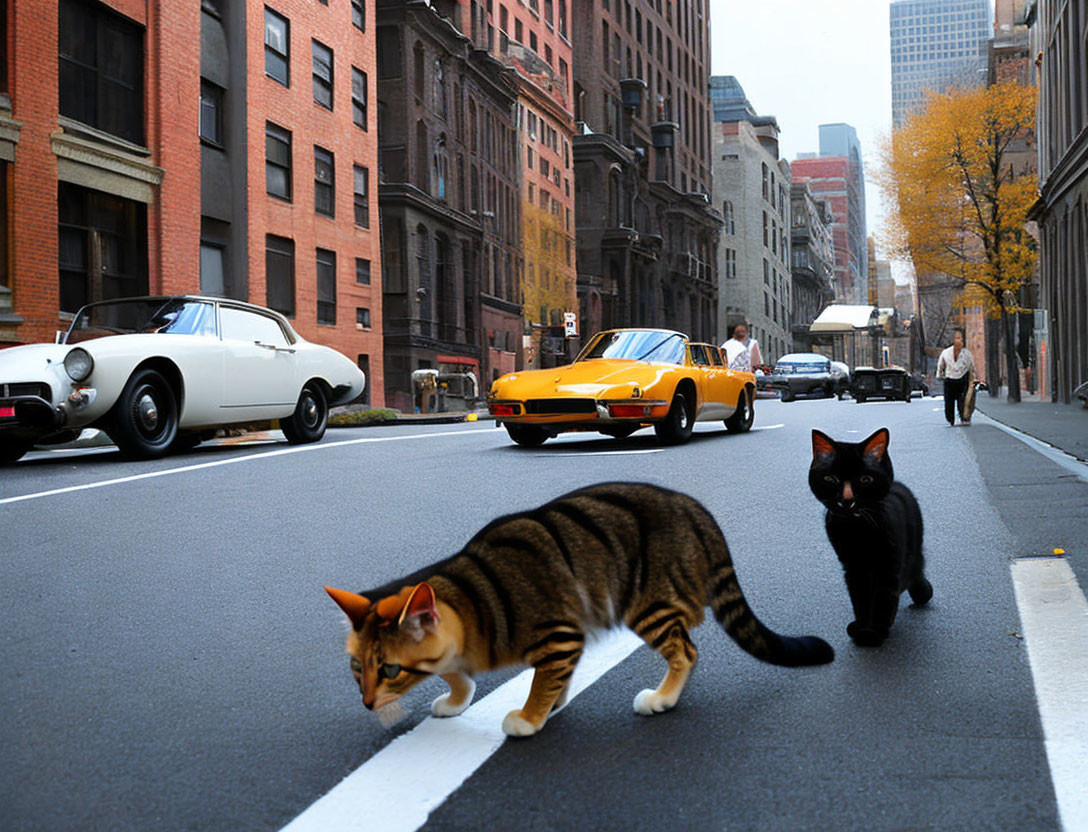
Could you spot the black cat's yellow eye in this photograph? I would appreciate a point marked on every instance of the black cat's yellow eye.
(356, 666)
(865, 479)
(389, 671)
(830, 478)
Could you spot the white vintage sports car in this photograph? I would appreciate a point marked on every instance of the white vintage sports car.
(162, 373)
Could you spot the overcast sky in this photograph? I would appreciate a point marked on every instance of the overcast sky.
(809, 64)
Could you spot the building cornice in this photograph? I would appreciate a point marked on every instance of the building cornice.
(93, 159)
(407, 194)
(1072, 168)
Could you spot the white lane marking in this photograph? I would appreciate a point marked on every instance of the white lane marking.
(294, 449)
(1054, 615)
(1066, 460)
(768, 427)
(608, 453)
(397, 788)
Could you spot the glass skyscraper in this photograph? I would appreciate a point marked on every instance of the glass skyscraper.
(936, 44)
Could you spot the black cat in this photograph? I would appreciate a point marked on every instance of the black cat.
(875, 525)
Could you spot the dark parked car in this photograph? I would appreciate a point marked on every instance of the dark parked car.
(918, 382)
(891, 383)
(807, 374)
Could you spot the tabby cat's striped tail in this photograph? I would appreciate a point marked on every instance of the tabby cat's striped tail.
(733, 613)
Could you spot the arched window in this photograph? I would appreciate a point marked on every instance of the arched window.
(423, 161)
(417, 66)
(426, 286)
(441, 166)
(439, 88)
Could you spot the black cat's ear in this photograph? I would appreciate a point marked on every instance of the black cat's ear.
(822, 445)
(876, 446)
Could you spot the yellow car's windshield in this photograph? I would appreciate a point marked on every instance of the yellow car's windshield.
(657, 345)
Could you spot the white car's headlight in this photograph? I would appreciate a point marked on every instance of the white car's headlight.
(78, 364)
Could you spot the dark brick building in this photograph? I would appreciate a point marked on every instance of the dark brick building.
(647, 233)
(448, 196)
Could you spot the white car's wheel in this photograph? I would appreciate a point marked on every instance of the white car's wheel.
(311, 416)
(145, 418)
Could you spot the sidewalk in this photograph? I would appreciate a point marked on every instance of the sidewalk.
(1064, 426)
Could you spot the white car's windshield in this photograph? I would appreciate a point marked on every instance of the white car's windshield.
(178, 316)
(640, 344)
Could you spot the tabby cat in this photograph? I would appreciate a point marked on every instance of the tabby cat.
(875, 525)
(530, 587)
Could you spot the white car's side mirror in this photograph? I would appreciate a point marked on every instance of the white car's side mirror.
(58, 338)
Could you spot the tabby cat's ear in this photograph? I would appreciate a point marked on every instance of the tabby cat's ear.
(354, 606)
(876, 446)
(822, 444)
(420, 610)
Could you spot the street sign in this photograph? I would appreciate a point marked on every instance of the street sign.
(570, 324)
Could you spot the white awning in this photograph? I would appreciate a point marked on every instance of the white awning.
(843, 318)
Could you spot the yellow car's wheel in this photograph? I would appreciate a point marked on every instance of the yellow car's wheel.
(743, 416)
(528, 436)
(675, 429)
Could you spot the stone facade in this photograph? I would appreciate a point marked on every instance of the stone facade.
(812, 260)
(1058, 38)
(752, 188)
(448, 198)
(646, 228)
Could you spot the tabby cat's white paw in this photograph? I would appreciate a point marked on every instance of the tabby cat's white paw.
(650, 702)
(441, 706)
(515, 725)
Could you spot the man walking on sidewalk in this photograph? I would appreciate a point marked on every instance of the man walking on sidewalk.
(956, 366)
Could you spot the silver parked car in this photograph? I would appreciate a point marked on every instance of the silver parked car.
(809, 374)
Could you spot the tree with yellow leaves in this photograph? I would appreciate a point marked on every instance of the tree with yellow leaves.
(958, 206)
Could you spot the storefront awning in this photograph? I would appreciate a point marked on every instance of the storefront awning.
(841, 318)
(457, 359)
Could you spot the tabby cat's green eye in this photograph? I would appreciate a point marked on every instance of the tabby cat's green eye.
(356, 666)
(389, 671)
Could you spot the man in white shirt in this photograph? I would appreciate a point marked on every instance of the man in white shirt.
(955, 366)
(742, 352)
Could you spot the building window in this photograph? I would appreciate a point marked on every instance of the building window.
(389, 49)
(326, 286)
(276, 47)
(362, 271)
(102, 246)
(358, 97)
(211, 113)
(362, 196)
(279, 268)
(322, 56)
(358, 14)
(101, 69)
(212, 269)
(362, 318)
(324, 182)
(277, 167)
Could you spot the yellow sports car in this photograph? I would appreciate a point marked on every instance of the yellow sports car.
(622, 380)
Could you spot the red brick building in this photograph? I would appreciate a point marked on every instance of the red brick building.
(224, 148)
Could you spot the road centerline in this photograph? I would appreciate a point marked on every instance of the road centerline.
(412, 776)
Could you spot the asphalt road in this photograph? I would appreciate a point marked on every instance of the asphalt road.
(172, 662)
